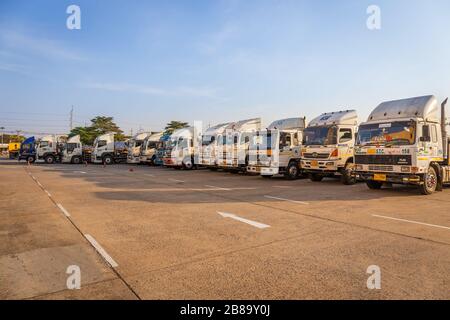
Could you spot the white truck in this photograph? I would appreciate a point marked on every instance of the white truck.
(147, 153)
(48, 148)
(405, 142)
(72, 151)
(328, 146)
(233, 151)
(179, 149)
(134, 147)
(208, 148)
(277, 149)
(108, 151)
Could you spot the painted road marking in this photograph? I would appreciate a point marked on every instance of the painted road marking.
(219, 188)
(67, 214)
(48, 193)
(80, 172)
(411, 221)
(149, 175)
(282, 187)
(39, 184)
(101, 251)
(250, 222)
(283, 199)
(175, 180)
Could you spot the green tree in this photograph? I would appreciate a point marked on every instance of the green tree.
(174, 125)
(99, 125)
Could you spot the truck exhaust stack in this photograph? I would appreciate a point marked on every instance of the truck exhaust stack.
(445, 141)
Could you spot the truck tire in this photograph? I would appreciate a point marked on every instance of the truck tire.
(188, 164)
(430, 182)
(374, 185)
(266, 176)
(49, 159)
(76, 160)
(292, 171)
(347, 177)
(31, 159)
(108, 159)
(316, 177)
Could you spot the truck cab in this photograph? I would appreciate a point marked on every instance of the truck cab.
(134, 147)
(13, 150)
(234, 149)
(71, 151)
(404, 142)
(328, 146)
(209, 146)
(107, 151)
(27, 150)
(149, 148)
(48, 148)
(161, 149)
(277, 149)
(179, 149)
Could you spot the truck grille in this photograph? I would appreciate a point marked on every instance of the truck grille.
(384, 159)
(315, 155)
(381, 168)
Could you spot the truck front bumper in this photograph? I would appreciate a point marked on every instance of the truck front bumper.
(398, 178)
(317, 166)
(264, 171)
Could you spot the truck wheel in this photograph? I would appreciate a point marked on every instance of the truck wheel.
(430, 182)
(76, 160)
(316, 177)
(347, 177)
(374, 185)
(49, 159)
(108, 160)
(292, 171)
(188, 164)
(30, 159)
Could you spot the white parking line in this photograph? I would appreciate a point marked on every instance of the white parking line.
(283, 199)
(411, 221)
(149, 175)
(175, 180)
(66, 213)
(220, 188)
(250, 222)
(101, 251)
(48, 193)
(39, 184)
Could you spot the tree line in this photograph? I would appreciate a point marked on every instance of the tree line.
(101, 125)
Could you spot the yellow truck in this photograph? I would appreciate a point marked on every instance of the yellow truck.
(13, 150)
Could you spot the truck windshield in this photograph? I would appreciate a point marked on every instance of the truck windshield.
(320, 136)
(207, 140)
(390, 133)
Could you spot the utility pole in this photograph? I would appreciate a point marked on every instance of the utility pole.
(71, 119)
(2, 128)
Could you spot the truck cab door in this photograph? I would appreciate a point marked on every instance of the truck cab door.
(346, 143)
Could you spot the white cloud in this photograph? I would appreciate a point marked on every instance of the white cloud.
(11, 67)
(40, 46)
(182, 91)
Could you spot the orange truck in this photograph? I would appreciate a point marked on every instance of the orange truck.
(13, 150)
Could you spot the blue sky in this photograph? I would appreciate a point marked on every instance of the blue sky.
(149, 62)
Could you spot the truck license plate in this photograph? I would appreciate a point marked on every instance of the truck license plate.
(379, 177)
(315, 163)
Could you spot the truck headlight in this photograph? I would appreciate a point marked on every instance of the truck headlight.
(359, 167)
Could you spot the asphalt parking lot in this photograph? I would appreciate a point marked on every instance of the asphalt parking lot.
(139, 232)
